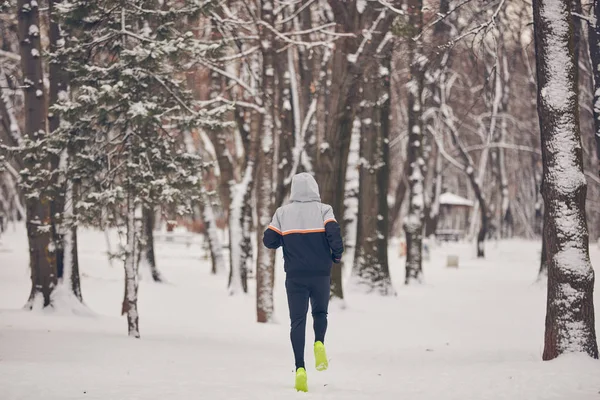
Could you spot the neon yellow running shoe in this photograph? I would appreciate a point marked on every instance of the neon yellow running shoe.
(301, 380)
(321, 363)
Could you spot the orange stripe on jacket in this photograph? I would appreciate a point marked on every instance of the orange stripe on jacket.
(330, 220)
(303, 231)
(271, 227)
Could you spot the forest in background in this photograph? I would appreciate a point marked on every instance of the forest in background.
(137, 114)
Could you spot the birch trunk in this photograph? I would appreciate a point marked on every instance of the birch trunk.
(131, 274)
(267, 176)
(570, 307)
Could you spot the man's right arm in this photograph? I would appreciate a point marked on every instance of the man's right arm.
(334, 234)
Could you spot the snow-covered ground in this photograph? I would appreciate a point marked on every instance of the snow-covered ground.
(471, 333)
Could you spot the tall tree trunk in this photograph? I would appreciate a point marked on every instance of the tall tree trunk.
(433, 212)
(70, 274)
(506, 217)
(469, 170)
(267, 173)
(543, 272)
(58, 87)
(65, 192)
(147, 256)
(212, 235)
(42, 258)
(351, 197)
(347, 65)
(570, 307)
(131, 273)
(240, 215)
(371, 270)
(399, 196)
(594, 43)
(413, 226)
(219, 137)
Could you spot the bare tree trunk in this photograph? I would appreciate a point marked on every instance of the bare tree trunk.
(347, 66)
(433, 211)
(131, 273)
(506, 217)
(212, 234)
(219, 137)
(147, 257)
(399, 196)
(371, 271)
(65, 194)
(267, 173)
(475, 185)
(594, 43)
(265, 268)
(570, 307)
(58, 87)
(42, 258)
(240, 216)
(543, 272)
(413, 226)
(70, 274)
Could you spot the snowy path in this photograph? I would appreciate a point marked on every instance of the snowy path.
(472, 333)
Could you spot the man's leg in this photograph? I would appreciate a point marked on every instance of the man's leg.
(298, 295)
(319, 302)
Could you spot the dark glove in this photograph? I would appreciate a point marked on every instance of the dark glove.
(336, 259)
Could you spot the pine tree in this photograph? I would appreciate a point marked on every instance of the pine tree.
(128, 114)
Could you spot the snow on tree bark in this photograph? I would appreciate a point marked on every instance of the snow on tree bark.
(208, 217)
(69, 282)
(240, 216)
(59, 82)
(594, 44)
(239, 234)
(147, 258)
(267, 173)
(371, 270)
(42, 257)
(131, 273)
(351, 196)
(347, 65)
(570, 308)
(212, 231)
(413, 225)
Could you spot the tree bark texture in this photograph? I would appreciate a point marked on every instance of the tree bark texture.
(42, 258)
(371, 270)
(570, 308)
(413, 226)
(267, 173)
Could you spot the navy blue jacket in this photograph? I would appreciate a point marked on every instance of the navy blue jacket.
(307, 230)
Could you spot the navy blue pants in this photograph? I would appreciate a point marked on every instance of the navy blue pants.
(301, 290)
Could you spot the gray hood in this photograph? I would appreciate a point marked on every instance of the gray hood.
(304, 188)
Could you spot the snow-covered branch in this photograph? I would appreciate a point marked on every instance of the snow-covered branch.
(367, 36)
